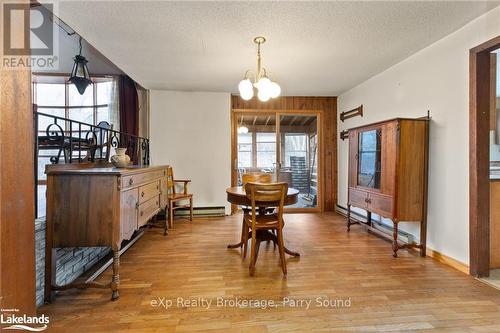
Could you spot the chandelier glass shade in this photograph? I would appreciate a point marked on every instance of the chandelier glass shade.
(265, 88)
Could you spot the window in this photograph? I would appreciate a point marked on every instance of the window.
(55, 96)
(245, 150)
(266, 150)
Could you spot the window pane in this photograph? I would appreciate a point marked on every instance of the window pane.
(42, 162)
(266, 146)
(266, 137)
(44, 121)
(244, 159)
(244, 147)
(266, 159)
(75, 99)
(295, 145)
(103, 115)
(244, 150)
(266, 150)
(49, 94)
(245, 138)
(104, 92)
(85, 115)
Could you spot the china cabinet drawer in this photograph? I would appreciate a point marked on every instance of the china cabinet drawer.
(358, 198)
(380, 204)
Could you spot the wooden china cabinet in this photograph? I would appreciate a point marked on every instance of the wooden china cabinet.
(388, 174)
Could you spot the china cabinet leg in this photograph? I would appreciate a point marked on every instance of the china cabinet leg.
(116, 276)
(348, 218)
(423, 236)
(395, 246)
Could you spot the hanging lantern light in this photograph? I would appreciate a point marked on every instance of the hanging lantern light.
(80, 75)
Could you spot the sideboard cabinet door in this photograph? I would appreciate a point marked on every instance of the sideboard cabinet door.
(129, 202)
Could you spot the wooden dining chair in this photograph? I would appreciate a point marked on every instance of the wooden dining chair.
(173, 198)
(252, 177)
(256, 177)
(269, 195)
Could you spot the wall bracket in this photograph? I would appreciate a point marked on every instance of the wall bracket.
(352, 113)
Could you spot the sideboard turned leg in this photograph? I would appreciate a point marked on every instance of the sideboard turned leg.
(116, 276)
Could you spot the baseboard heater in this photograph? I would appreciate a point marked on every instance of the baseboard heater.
(377, 227)
(203, 211)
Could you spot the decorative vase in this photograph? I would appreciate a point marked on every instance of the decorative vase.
(120, 160)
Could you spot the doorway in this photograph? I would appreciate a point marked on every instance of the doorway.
(483, 224)
(285, 144)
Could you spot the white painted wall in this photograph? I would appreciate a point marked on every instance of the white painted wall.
(436, 79)
(192, 132)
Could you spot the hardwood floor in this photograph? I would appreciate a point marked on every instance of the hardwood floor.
(407, 294)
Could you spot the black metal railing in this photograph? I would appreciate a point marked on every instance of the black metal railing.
(63, 140)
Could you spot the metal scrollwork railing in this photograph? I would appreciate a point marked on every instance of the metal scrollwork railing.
(76, 141)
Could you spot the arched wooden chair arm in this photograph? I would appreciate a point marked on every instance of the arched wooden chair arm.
(185, 181)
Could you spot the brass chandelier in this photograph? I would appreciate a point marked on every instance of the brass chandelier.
(266, 89)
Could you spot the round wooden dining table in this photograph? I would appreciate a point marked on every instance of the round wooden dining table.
(237, 195)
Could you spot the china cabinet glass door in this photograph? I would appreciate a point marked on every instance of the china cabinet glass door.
(369, 158)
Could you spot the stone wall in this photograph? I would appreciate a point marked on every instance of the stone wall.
(70, 262)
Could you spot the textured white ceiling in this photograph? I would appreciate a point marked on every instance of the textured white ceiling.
(313, 48)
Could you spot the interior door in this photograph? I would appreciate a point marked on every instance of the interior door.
(298, 157)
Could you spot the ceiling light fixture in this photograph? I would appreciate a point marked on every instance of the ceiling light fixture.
(266, 89)
(80, 75)
(242, 130)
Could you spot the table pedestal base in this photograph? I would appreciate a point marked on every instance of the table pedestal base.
(262, 236)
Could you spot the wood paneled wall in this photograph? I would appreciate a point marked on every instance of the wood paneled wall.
(328, 107)
(17, 202)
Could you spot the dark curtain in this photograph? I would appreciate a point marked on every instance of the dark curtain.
(129, 116)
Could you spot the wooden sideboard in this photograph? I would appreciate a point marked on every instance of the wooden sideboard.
(388, 173)
(91, 206)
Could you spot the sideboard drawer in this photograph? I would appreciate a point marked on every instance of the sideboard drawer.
(358, 198)
(141, 178)
(380, 204)
(148, 191)
(147, 210)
